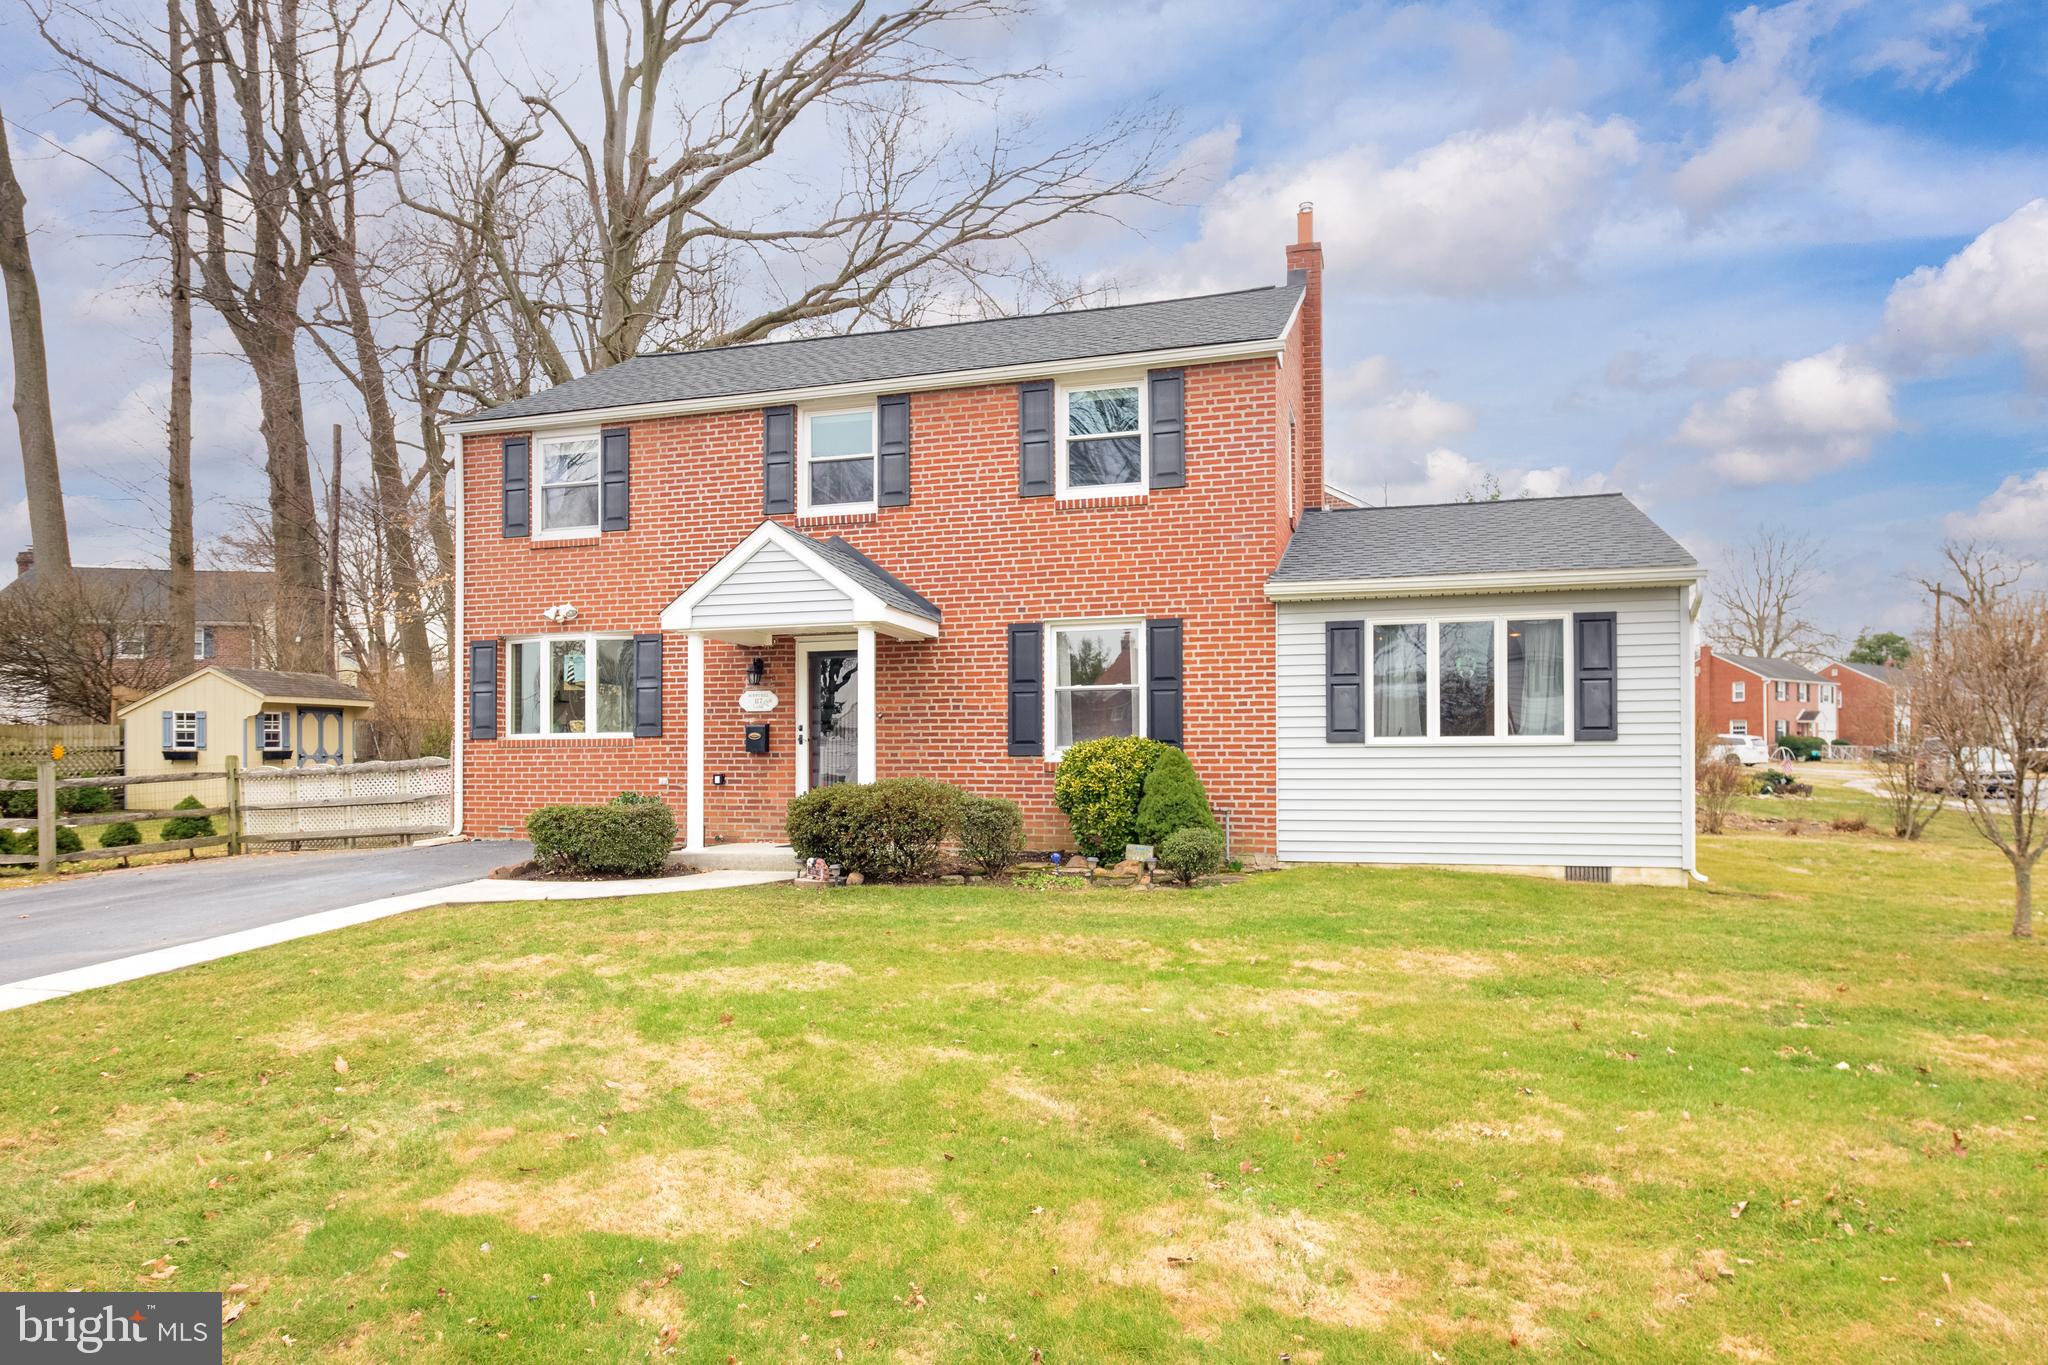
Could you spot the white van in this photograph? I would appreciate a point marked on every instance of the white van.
(1748, 750)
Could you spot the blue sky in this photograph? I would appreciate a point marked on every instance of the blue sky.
(1782, 263)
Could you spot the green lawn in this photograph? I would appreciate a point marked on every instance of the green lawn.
(1801, 1115)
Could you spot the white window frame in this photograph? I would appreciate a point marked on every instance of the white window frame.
(804, 506)
(141, 649)
(1780, 693)
(1136, 381)
(1433, 701)
(1739, 691)
(184, 732)
(1738, 727)
(199, 634)
(589, 639)
(284, 732)
(541, 530)
(1805, 691)
(1784, 728)
(1049, 646)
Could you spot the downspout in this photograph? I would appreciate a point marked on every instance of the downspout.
(458, 652)
(1693, 600)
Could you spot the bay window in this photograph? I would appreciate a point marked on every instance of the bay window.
(566, 494)
(1096, 681)
(1102, 444)
(572, 685)
(838, 457)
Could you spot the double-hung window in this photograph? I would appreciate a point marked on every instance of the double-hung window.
(1780, 692)
(565, 493)
(1464, 679)
(1097, 676)
(838, 457)
(572, 685)
(1740, 692)
(202, 642)
(1102, 441)
(131, 642)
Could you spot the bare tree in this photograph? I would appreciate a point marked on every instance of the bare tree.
(74, 648)
(1908, 797)
(1761, 603)
(1983, 696)
(183, 585)
(32, 415)
(655, 213)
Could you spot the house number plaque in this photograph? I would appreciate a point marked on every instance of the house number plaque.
(757, 699)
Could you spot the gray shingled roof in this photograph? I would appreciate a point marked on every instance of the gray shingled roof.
(309, 686)
(1777, 670)
(880, 357)
(886, 585)
(1888, 674)
(1520, 535)
(221, 596)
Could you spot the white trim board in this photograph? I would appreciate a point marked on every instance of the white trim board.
(1433, 585)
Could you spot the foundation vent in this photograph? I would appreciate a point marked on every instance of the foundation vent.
(1603, 875)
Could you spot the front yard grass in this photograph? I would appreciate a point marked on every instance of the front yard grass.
(1324, 1115)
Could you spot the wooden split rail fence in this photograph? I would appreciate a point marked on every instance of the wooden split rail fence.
(310, 807)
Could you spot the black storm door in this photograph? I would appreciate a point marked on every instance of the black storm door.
(834, 719)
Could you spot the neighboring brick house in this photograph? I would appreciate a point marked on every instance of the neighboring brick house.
(1876, 707)
(726, 576)
(1738, 694)
(232, 607)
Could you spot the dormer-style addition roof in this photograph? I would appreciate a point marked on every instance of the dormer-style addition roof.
(1188, 331)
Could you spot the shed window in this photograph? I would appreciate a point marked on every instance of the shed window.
(184, 729)
(270, 731)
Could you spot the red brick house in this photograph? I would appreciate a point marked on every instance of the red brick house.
(1738, 694)
(727, 576)
(1876, 708)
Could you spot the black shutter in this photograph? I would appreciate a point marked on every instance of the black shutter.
(1344, 682)
(1027, 691)
(778, 461)
(647, 687)
(483, 689)
(1595, 700)
(892, 451)
(1163, 681)
(1034, 440)
(614, 485)
(518, 486)
(1169, 438)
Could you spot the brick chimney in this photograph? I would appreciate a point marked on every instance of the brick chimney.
(1305, 267)
(24, 560)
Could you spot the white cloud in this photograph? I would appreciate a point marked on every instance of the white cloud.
(1375, 411)
(1937, 47)
(1813, 416)
(1991, 293)
(2014, 516)
(1445, 475)
(1482, 211)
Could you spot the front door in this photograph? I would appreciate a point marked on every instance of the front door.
(833, 720)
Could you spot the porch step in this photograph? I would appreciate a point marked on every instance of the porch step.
(741, 857)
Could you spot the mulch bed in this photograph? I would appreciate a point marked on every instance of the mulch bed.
(531, 871)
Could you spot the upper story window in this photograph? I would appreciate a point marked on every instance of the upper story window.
(202, 642)
(1740, 693)
(565, 491)
(837, 453)
(1096, 673)
(1484, 678)
(1780, 692)
(131, 642)
(572, 685)
(1102, 443)
(1804, 688)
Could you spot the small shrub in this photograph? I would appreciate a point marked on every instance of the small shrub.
(84, 800)
(9, 844)
(892, 830)
(19, 804)
(1173, 799)
(121, 834)
(68, 840)
(991, 832)
(1191, 853)
(1803, 748)
(822, 822)
(189, 826)
(1798, 789)
(1099, 785)
(628, 836)
(1717, 787)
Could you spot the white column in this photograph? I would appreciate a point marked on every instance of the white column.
(864, 675)
(693, 822)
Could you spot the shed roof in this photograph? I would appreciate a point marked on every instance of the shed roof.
(269, 685)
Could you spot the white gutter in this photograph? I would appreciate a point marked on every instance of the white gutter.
(1438, 585)
(458, 648)
(948, 379)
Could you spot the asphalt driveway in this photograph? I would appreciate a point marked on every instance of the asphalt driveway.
(108, 915)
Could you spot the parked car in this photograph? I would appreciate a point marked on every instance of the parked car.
(1992, 772)
(1748, 750)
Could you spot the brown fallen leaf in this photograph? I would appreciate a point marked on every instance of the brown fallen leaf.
(341, 1066)
(232, 1311)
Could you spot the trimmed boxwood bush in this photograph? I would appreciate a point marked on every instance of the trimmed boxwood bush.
(628, 836)
(84, 800)
(1173, 800)
(991, 832)
(120, 834)
(1191, 853)
(1098, 786)
(68, 840)
(19, 804)
(892, 830)
(11, 843)
(188, 826)
(1803, 747)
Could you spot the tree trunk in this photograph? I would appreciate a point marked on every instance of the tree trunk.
(2023, 900)
(32, 415)
(441, 527)
(294, 519)
(183, 588)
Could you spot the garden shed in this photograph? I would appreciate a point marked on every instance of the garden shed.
(261, 717)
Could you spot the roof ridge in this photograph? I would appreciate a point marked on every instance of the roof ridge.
(1480, 502)
(962, 322)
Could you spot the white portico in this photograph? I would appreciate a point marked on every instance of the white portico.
(834, 601)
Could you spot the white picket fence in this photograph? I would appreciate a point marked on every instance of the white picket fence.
(317, 807)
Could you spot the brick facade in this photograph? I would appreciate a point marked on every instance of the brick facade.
(1716, 709)
(967, 541)
(1870, 708)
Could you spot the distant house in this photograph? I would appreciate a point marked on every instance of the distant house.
(1876, 702)
(1739, 694)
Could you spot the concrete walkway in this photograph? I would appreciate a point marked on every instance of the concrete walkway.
(56, 984)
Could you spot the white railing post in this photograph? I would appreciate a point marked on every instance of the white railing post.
(693, 797)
